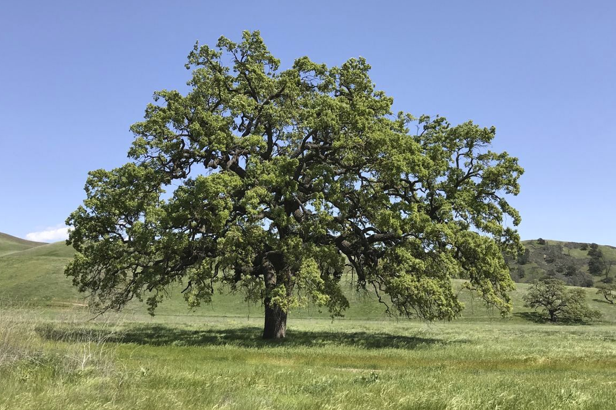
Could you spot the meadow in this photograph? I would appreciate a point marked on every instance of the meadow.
(55, 355)
(63, 361)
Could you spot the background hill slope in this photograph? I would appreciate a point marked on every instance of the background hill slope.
(34, 276)
(10, 244)
(567, 261)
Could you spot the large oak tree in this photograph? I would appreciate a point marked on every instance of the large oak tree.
(276, 182)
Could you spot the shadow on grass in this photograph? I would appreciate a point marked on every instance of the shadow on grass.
(536, 317)
(602, 301)
(160, 335)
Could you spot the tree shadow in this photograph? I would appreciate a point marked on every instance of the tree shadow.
(602, 301)
(537, 317)
(250, 337)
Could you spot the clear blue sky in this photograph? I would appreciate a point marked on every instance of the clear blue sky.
(76, 74)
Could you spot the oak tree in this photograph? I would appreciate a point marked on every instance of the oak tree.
(553, 298)
(598, 264)
(608, 291)
(277, 182)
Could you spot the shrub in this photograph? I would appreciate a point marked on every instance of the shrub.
(582, 279)
(571, 270)
(523, 258)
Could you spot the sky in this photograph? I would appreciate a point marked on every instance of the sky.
(75, 75)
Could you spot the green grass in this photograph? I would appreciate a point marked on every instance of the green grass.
(35, 275)
(54, 356)
(10, 244)
(222, 363)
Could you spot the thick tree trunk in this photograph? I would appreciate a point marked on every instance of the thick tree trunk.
(275, 317)
(275, 322)
(552, 316)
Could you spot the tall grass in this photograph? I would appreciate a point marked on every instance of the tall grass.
(26, 350)
(70, 363)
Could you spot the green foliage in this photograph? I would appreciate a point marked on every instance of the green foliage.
(580, 278)
(598, 264)
(558, 302)
(280, 178)
(541, 241)
(594, 251)
(570, 269)
(566, 261)
(523, 258)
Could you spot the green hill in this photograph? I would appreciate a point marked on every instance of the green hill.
(567, 261)
(34, 276)
(10, 244)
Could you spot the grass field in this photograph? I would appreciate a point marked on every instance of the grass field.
(54, 356)
(65, 362)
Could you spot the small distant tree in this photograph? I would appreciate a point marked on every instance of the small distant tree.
(594, 250)
(584, 247)
(581, 279)
(598, 264)
(541, 241)
(523, 258)
(608, 291)
(558, 303)
(570, 270)
(595, 266)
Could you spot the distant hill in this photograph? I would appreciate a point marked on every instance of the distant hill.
(34, 276)
(10, 244)
(33, 272)
(567, 261)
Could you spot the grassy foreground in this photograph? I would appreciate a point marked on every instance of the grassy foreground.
(65, 362)
(52, 356)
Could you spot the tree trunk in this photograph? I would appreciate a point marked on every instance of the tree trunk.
(275, 318)
(275, 322)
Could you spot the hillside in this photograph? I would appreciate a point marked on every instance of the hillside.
(34, 276)
(10, 244)
(567, 261)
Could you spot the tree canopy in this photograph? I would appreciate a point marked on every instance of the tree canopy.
(276, 182)
(552, 297)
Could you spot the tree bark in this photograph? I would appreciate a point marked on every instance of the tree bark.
(275, 318)
(552, 316)
(275, 321)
